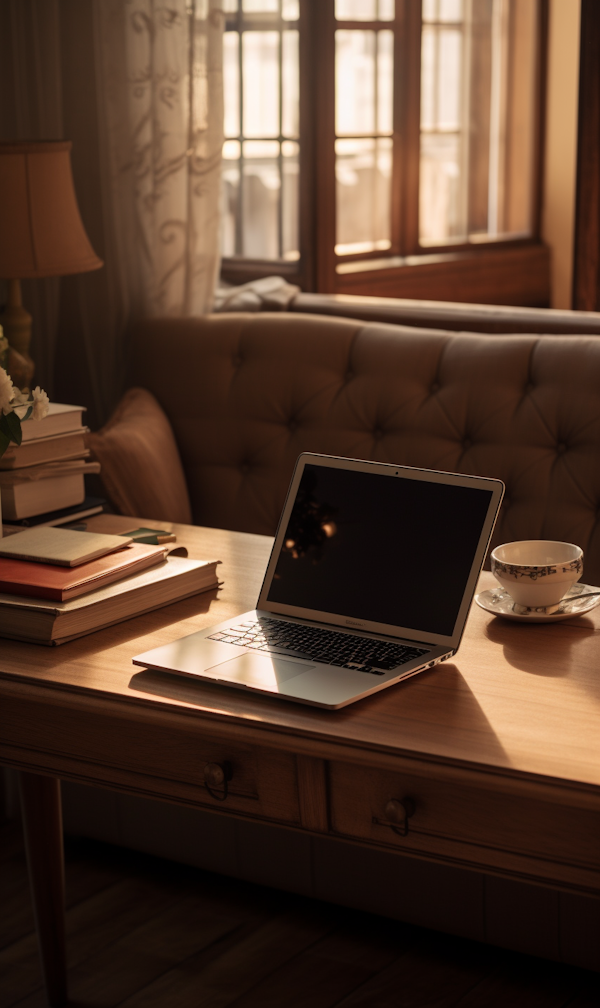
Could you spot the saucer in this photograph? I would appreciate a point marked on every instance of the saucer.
(498, 602)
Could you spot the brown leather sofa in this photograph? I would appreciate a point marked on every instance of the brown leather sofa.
(253, 391)
(244, 395)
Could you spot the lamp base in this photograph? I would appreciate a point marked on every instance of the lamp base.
(16, 323)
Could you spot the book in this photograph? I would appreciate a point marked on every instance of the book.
(63, 547)
(49, 581)
(114, 524)
(90, 506)
(60, 418)
(46, 449)
(23, 500)
(45, 487)
(52, 623)
(152, 536)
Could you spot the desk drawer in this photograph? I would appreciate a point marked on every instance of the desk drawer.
(152, 759)
(472, 826)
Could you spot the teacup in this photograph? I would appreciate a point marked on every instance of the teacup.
(537, 572)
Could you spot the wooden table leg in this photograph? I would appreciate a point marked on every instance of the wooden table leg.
(42, 825)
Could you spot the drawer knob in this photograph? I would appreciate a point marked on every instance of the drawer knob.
(398, 812)
(217, 776)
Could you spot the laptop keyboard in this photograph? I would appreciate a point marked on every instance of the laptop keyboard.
(363, 654)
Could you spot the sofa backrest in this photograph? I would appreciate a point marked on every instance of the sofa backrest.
(247, 393)
(456, 315)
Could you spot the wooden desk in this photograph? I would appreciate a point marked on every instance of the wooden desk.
(498, 749)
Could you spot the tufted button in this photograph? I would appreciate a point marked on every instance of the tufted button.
(349, 376)
(244, 468)
(467, 444)
(293, 425)
(561, 448)
(377, 433)
(434, 388)
(237, 360)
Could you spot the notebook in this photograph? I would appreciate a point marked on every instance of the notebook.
(370, 580)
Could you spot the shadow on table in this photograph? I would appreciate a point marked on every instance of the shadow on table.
(435, 711)
(134, 629)
(539, 653)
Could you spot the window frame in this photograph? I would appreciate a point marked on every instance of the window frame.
(318, 266)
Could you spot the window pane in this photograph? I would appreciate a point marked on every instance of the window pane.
(260, 61)
(231, 83)
(428, 76)
(364, 10)
(478, 87)
(261, 173)
(444, 10)
(363, 188)
(230, 6)
(354, 82)
(260, 200)
(230, 181)
(385, 81)
(439, 209)
(450, 10)
(356, 10)
(290, 84)
(260, 6)
(289, 198)
(290, 10)
(449, 79)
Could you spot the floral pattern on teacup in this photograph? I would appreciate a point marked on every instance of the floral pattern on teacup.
(533, 573)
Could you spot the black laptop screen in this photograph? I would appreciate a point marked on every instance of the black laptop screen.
(381, 548)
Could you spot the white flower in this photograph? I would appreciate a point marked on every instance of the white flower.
(7, 391)
(40, 403)
(19, 398)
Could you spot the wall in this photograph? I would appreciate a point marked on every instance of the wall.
(558, 213)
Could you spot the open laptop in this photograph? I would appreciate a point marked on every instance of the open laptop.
(370, 580)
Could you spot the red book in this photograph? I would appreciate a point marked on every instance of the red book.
(49, 581)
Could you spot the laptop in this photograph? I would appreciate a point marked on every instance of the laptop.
(370, 580)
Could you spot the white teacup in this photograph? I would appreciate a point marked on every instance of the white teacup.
(537, 572)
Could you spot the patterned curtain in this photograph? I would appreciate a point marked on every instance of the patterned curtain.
(136, 85)
(161, 104)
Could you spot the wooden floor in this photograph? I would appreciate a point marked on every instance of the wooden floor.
(148, 933)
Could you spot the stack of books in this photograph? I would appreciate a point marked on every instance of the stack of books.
(42, 479)
(57, 584)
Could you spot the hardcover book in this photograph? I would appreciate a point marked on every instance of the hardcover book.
(64, 547)
(49, 581)
(45, 449)
(61, 417)
(90, 506)
(51, 623)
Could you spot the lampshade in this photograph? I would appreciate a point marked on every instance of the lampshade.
(41, 233)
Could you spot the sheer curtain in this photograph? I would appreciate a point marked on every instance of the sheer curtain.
(161, 97)
(137, 86)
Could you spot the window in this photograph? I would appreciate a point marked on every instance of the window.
(371, 135)
(261, 150)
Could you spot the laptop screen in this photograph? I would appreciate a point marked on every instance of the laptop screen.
(380, 548)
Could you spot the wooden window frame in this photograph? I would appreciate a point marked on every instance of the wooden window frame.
(456, 271)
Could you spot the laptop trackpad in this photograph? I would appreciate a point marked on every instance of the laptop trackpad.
(263, 671)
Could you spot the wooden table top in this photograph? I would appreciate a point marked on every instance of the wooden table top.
(518, 701)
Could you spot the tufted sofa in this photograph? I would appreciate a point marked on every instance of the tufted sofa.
(252, 391)
(255, 390)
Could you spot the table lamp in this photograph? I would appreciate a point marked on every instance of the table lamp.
(41, 234)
